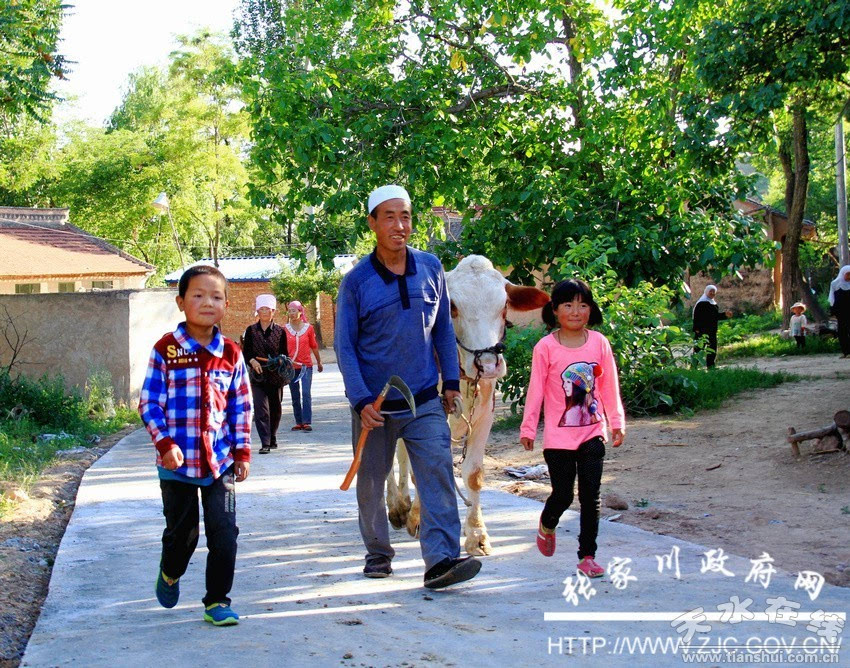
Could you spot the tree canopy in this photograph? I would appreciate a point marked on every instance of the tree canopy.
(772, 67)
(29, 34)
(542, 124)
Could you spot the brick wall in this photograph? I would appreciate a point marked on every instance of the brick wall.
(240, 314)
(325, 322)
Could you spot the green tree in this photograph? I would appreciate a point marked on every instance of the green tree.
(305, 281)
(29, 35)
(182, 131)
(543, 124)
(108, 179)
(27, 164)
(774, 66)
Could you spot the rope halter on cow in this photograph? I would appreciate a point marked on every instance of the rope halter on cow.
(495, 350)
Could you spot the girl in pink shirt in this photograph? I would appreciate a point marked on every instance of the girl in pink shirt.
(574, 379)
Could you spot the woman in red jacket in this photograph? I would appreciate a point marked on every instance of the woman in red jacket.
(301, 341)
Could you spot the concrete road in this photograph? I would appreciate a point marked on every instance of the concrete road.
(303, 600)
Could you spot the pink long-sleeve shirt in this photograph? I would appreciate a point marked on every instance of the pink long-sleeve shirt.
(578, 390)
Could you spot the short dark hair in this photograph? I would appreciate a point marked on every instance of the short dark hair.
(199, 270)
(567, 291)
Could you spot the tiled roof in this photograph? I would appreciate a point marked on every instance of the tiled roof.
(40, 242)
(256, 268)
(240, 268)
(749, 206)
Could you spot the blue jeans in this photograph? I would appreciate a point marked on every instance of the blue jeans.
(428, 443)
(302, 402)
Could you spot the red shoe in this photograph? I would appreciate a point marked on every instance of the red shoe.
(306, 427)
(297, 427)
(545, 541)
(590, 568)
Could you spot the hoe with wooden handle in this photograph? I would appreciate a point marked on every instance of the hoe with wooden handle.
(398, 384)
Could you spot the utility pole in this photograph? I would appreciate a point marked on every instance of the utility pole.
(841, 193)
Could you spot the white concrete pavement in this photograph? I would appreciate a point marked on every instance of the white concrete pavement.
(303, 600)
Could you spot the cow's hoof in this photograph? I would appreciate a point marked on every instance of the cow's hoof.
(398, 516)
(413, 526)
(478, 544)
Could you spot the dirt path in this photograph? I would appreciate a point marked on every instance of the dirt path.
(727, 478)
(29, 539)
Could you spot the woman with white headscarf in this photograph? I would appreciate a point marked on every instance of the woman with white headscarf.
(265, 339)
(839, 305)
(706, 317)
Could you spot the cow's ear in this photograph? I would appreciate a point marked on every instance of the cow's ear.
(453, 309)
(524, 298)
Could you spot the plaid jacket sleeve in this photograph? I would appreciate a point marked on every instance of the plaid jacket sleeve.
(152, 402)
(239, 412)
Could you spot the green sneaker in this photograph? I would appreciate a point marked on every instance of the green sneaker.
(166, 594)
(220, 614)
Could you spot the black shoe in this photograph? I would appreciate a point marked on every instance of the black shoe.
(451, 571)
(273, 446)
(265, 450)
(379, 569)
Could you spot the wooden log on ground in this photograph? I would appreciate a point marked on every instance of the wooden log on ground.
(794, 437)
(829, 443)
(842, 420)
(795, 449)
(832, 438)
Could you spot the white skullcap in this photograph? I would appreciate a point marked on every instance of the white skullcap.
(266, 300)
(382, 194)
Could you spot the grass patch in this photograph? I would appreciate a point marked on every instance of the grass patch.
(31, 410)
(685, 391)
(509, 422)
(772, 345)
(742, 327)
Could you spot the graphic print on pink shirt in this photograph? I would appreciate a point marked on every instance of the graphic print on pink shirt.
(582, 408)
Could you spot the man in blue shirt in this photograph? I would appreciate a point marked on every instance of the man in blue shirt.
(393, 318)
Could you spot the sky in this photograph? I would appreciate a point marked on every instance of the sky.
(109, 39)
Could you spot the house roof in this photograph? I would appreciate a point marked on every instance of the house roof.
(750, 206)
(239, 268)
(35, 243)
(256, 268)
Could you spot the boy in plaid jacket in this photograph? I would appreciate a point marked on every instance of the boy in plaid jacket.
(196, 405)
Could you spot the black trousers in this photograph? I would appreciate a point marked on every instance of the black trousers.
(707, 340)
(844, 335)
(564, 465)
(267, 411)
(180, 538)
(801, 341)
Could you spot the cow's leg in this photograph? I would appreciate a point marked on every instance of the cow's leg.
(398, 492)
(477, 541)
(415, 509)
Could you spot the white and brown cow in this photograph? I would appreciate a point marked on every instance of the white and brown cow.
(480, 298)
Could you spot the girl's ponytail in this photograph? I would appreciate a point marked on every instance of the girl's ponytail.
(548, 315)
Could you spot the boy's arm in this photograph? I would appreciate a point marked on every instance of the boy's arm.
(152, 404)
(239, 412)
